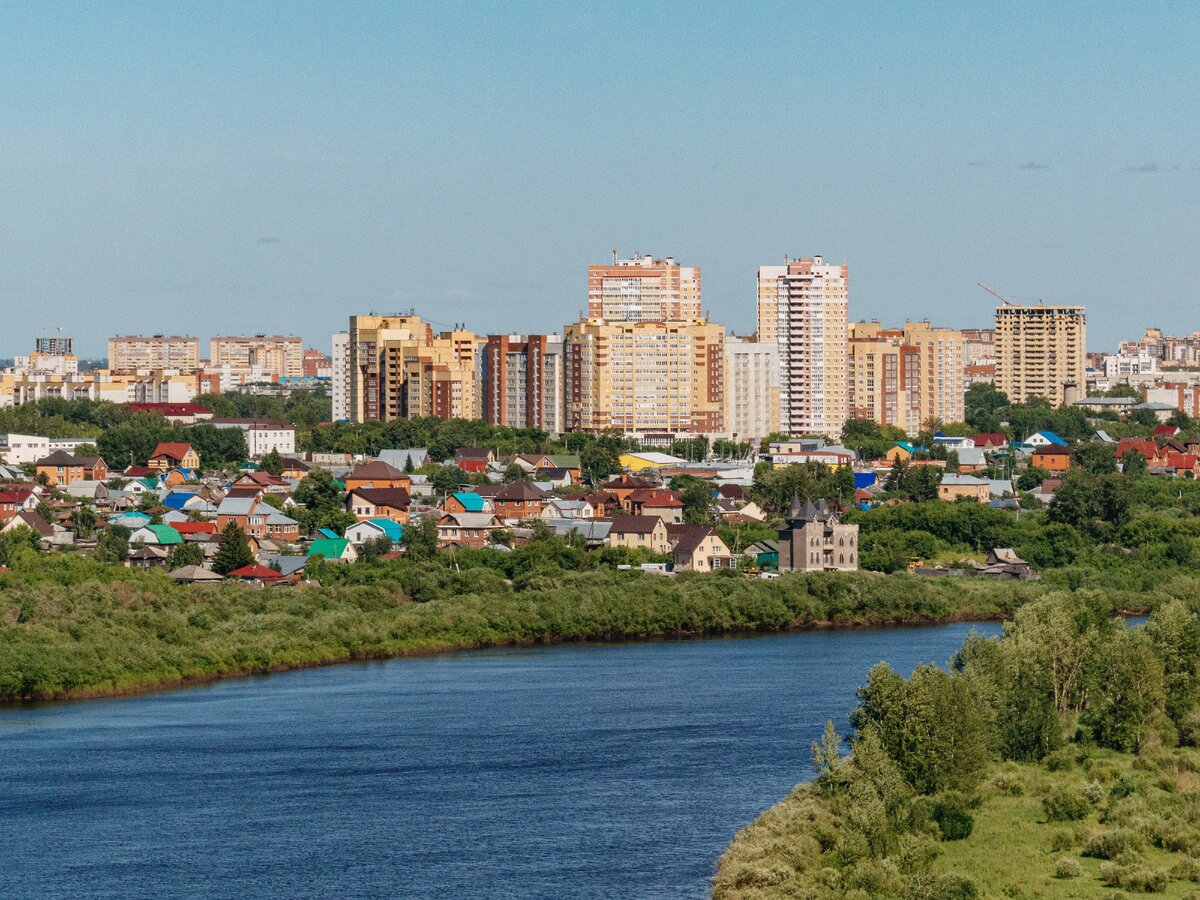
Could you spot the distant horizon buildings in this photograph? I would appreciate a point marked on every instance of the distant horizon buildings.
(129, 353)
(276, 355)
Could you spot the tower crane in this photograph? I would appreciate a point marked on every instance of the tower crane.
(997, 294)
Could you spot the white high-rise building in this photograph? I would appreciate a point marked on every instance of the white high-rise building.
(340, 380)
(812, 301)
(751, 388)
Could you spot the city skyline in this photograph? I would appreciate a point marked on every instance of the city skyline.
(222, 168)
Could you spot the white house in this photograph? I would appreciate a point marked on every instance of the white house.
(263, 435)
(23, 448)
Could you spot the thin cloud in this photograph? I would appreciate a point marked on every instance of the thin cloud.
(978, 163)
(1143, 169)
(267, 239)
(1032, 166)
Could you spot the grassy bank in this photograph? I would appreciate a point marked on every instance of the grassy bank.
(1136, 832)
(69, 629)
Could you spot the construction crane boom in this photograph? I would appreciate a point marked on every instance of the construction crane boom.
(996, 294)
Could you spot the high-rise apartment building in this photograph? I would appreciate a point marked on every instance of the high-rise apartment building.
(339, 381)
(644, 376)
(769, 278)
(399, 369)
(1041, 351)
(643, 289)
(812, 303)
(751, 388)
(158, 351)
(276, 355)
(906, 376)
(523, 381)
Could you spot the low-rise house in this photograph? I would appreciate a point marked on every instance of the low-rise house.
(156, 536)
(467, 529)
(406, 459)
(955, 486)
(559, 508)
(263, 481)
(647, 532)
(133, 520)
(256, 573)
(380, 503)
(1154, 455)
(814, 539)
(990, 440)
(902, 450)
(1052, 458)
(1183, 464)
(593, 532)
(1045, 439)
(519, 501)
(195, 575)
(294, 469)
(200, 530)
(60, 469)
(369, 529)
(605, 503)
(701, 549)
(149, 557)
(16, 499)
(970, 459)
(466, 502)
(624, 485)
(334, 550)
(376, 474)
(280, 527)
(662, 503)
(474, 459)
(173, 455)
(175, 413)
(263, 435)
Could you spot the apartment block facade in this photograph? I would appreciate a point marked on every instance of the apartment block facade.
(644, 376)
(399, 369)
(906, 376)
(643, 289)
(1041, 351)
(751, 387)
(523, 381)
(812, 300)
(133, 352)
(277, 355)
(339, 380)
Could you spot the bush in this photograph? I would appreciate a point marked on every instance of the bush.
(1134, 878)
(1187, 868)
(1065, 804)
(941, 887)
(1109, 843)
(1061, 760)
(1094, 792)
(953, 820)
(1068, 867)
(1062, 840)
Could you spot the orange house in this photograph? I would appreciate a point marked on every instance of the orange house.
(174, 456)
(377, 474)
(61, 468)
(1052, 458)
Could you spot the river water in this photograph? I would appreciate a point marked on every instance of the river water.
(576, 771)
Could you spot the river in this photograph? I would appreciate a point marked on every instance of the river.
(574, 771)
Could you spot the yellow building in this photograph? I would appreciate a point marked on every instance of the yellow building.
(643, 289)
(906, 376)
(1041, 351)
(132, 352)
(656, 376)
(277, 356)
(399, 369)
(751, 388)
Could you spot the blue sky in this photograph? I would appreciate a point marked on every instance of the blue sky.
(212, 168)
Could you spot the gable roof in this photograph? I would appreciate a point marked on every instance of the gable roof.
(400, 458)
(35, 522)
(191, 574)
(330, 548)
(1052, 438)
(393, 531)
(692, 538)
(376, 470)
(171, 450)
(396, 498)
(59, 458)
(290, 565)
(256, 571)
(471, 502)
(634, 524)
(520, 491)
(470, 519)
(237, 505)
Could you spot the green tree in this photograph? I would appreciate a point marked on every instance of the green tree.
(83, 521)
(233, 551)
(113, 545)
(374, 548)
(514, 473)
(17, 541)
(420, 539)
(1126, 691)
(1097, 458)
(1174, 632)
(272, 462)
(186, 554)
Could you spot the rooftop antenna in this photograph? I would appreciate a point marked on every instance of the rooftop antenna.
(614, 256)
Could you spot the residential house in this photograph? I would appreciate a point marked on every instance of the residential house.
(593, 532)
(294, 469)
(1154, 455)
(1045, 439)
(605, 503)
(280, 527)
(379, 503)
(263, 481)
(558, 508)
(16, 499)
(519, 501)
(955, 486)
(175, 413)
(175, 455)
(971, 459)
(60, 469)
(624, 485)
(1052, 458)
(990, 440)
(1183, 464)
(376, 474)
(369, 529)
(902, 450)
(664, 504)
(701, 549)
(467, 502)
(1165, 432)
(467, 529)
(334, 550)
(196, 575)
(50, 535)
(263, 435)
(647, 532)
(814, 539)
(256, 573)
(409, 458)
(474, 459)
(156, 536)
(248, 512)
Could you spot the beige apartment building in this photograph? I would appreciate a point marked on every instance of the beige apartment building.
(644, 376)
(906, 376)
(158, 351)
(643, 289)
(751, 388)
(812, 313)
(1041, 351)
(399, 369)
(275, 355)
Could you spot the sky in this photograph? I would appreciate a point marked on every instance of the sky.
(210, 168)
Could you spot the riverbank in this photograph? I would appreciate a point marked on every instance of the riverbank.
(1127, 830)
(142, 632)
